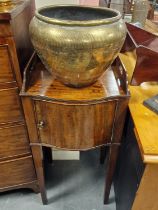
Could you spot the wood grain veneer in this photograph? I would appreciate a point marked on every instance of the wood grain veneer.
(146, 121)
(10, 109)
(136, 185)
(16, 163)
(16, 172)
(79, 128)
(6, 73)
(9, 145)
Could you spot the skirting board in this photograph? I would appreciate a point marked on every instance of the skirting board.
(65, 155)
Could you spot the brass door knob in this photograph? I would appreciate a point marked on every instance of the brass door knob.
(40, 124)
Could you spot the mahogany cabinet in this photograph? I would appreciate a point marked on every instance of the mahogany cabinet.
(16, 163)
(74, 119)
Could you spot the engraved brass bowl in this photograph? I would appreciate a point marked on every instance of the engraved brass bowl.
(77, 43)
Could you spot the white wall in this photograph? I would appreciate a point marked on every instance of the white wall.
(40, 3)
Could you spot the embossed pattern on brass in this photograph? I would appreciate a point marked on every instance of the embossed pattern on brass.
(5, 2)
(76, 43)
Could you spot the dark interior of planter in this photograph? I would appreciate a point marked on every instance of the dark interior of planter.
(74, 13)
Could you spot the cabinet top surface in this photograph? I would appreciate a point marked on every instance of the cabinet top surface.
(40, 83)
(10, 10)
(145, 120)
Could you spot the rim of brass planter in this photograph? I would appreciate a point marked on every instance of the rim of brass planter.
(56, 21)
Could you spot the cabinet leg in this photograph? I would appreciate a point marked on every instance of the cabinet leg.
(112, 158)
(103, 152)
(35, 188)
(47, 152)
(38, 161)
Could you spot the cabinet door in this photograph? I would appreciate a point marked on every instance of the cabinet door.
(10, 107)
(75, 127)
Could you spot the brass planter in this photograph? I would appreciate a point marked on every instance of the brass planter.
(76, 43)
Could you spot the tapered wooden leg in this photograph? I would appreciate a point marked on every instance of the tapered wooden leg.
(103, 152)
(113, 153)
(35, 187)
(47, 152)
(38, 161)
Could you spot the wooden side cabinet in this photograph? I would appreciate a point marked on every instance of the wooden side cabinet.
(16, 162)
(74, 119)
(130, 168)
